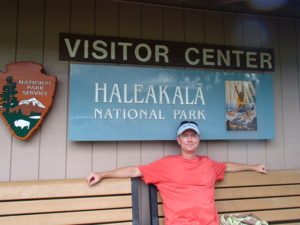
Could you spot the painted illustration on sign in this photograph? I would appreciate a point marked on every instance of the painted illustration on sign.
(240, 106)
(26, 95)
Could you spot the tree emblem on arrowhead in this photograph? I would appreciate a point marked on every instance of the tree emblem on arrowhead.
(26, 95)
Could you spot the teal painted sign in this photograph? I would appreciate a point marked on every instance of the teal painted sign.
(110, 103)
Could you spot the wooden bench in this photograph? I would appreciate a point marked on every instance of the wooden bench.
(112, 201)
(274, 197)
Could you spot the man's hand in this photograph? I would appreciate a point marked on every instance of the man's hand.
(130, 171)
(93, 178)
(260, 168)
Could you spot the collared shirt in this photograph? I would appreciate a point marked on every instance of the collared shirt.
(186, 187)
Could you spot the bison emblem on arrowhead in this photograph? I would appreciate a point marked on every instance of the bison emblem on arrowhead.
(26, 95)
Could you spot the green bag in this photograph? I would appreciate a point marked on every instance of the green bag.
(241, 219)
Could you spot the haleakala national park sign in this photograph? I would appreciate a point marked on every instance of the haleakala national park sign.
(26, 95)
(118, 103)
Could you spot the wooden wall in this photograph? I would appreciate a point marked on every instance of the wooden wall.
(30, 32)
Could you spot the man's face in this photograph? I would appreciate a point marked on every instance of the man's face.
(189, 140)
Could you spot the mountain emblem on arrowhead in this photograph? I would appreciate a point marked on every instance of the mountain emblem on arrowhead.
(26, 95)
(33, 101)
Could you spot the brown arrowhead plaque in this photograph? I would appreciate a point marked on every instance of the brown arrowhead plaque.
(26, 95)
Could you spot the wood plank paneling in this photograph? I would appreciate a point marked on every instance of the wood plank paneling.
(30, 31)
(151, 28)
(129, 20)
(151, 151)
(194, 26)
(233, 32)
(25, 154)
(152, 23)
(194, 32)
(79, 160)
(8, 21)
(32, 35)
(106, 24)
(79, 154)
(275, 147)
(104, 156)
(173, 25)
(107, 18)
(298, 53)
(256, 152)
(53, 131)
(214, 34)
(214, 28)
(172, 33)
(171, 148)
(129, 153)
(253, 35)
(290, 92)
(237, 150)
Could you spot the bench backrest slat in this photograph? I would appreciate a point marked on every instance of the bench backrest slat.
(256, 192)
(67, 204)
(274, 177)
(83, 217)
(62, 188)
(225, 206)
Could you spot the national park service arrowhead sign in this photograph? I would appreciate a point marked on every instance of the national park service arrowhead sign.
(26, 95)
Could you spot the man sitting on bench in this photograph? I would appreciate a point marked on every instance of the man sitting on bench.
(185, 182)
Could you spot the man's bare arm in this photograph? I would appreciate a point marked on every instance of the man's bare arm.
(235, 167)
(131, 171)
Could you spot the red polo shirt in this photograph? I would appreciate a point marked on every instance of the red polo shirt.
(186, 187)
